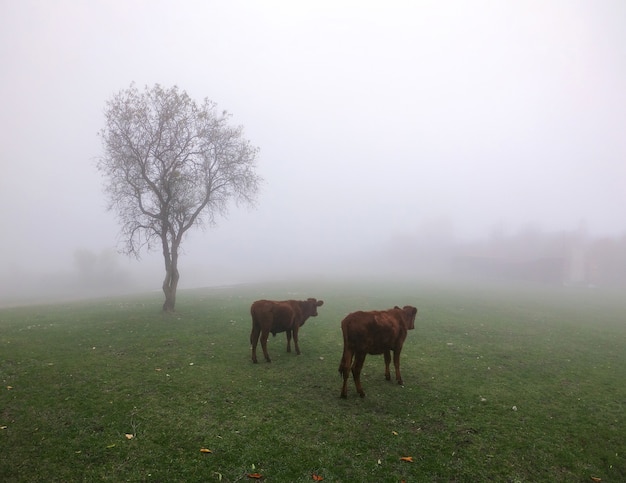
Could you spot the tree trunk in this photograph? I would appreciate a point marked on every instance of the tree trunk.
(170, 284)
(169, 287)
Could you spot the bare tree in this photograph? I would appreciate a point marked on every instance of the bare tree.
(171, 164)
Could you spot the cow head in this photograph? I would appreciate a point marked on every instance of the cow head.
(309, 307)
(409, 314)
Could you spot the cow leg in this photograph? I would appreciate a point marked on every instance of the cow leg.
(295, 340)
(387, 362)
(396, 363)
(254, 340)
(359, 359)
(264, 336)
(289, 341)
(344, 370)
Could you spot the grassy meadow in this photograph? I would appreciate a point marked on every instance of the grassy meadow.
(503, 384)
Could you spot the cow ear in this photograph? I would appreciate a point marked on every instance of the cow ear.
(320, 303)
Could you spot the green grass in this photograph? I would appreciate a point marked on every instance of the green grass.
(77, 377)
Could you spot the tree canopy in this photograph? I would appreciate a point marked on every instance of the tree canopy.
(171, 164)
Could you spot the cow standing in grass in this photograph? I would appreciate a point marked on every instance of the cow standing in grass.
(374, 332)
(286, 316)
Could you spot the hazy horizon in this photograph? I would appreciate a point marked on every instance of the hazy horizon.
(374, 121)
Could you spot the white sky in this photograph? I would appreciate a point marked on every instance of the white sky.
(372, 118)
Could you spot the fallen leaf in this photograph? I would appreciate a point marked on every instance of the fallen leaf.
(129, 436)
(395, 433)
(3, 427)
(317, 477)
(205, 450)
(596, 479)
(408, 459)
(111, 445)
(9, 387)
(256, 476)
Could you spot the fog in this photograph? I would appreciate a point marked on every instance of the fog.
(391, 134)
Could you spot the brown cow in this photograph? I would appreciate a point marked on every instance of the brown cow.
(374, 332)
(286, 316)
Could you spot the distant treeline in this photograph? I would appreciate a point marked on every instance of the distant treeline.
(568, 258)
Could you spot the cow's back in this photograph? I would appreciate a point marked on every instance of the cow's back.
(373, 332)
(283, 317)
(272, 315)
(260, 310)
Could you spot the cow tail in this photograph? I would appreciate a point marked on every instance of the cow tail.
(342, 364)
(254, 324)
